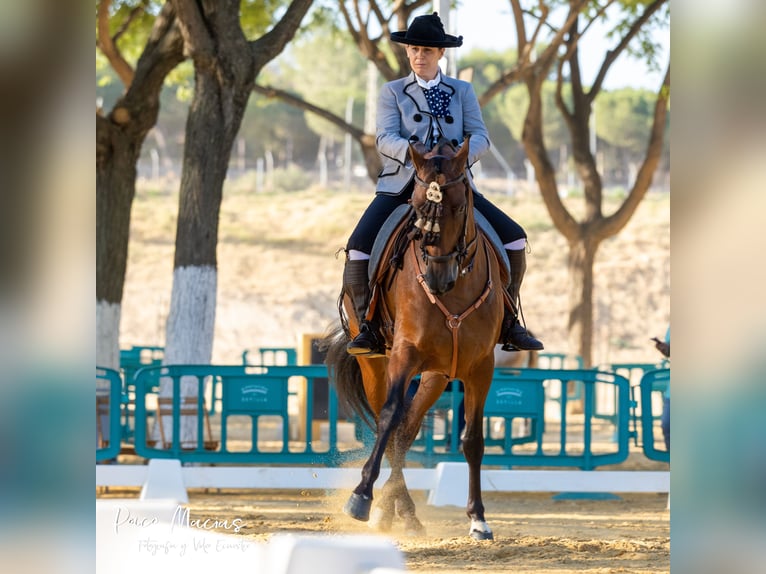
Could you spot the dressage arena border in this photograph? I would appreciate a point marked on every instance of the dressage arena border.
(447, 483)
(147, 536)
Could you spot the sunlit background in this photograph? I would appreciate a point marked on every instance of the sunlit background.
(719, 471)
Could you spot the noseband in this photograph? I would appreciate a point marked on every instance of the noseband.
(428, 223)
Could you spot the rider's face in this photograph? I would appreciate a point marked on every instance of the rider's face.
(424, 60)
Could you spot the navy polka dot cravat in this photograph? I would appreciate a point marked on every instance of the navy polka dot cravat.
(438, 100)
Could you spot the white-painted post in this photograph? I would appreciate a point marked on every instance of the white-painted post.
(259, 176)
(322, 160)
(347, 145)
(445, 14)
(370, 104)
(241, 147)
(155, 163)
(269, 169)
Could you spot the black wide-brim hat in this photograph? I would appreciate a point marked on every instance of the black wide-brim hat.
(427, 31)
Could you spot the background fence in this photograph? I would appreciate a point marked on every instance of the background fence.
(288, 414)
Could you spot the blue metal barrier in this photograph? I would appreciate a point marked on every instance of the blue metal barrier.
(633, 372)
(250, 391)
(259, 391)
(131, 360)
(273, 356)
(109, 403)
(138, 357)
(561, 361)
(520, 393)
(656, 381)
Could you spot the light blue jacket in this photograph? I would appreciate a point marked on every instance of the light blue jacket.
(403, 112)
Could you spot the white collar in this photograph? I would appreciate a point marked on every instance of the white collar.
(430, 83)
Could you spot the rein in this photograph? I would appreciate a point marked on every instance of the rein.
(454, 321)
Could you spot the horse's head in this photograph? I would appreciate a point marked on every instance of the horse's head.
(442, 199)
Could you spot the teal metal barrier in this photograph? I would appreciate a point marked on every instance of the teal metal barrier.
(562, 361)
(273, 356)
(634, 373)
(520, 393)
(259, 391)
(652, 382)
(446, 406)
(138, 357)
(109, 404)
(131, 360)
(249, 391)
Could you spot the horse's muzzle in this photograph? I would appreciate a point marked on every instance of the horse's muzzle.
(441, 277)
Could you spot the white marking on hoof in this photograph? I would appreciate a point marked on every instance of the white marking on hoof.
(480, 530)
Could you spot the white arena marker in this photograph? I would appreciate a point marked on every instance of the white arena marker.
(348, 554)
(450, 485)
(164, 479)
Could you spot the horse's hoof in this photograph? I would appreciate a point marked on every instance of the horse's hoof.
(479, 535)
(381, 520)
(480, 530)
(358, 507)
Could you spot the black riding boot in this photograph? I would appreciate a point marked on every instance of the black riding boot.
(514, 335)
(355, 282)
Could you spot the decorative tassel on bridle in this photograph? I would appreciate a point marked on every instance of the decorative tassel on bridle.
(430, 214)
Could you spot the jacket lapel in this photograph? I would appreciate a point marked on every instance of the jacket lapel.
(415, 93)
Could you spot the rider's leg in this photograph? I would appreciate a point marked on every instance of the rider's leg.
(514, 335)
(369, 341)
(356, 283)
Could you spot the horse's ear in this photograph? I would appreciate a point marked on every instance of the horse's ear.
(461, 158)
(417, 150)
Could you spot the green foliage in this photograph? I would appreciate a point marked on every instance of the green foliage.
(325, 68)
(624, 118)
(513, 107)
(257, 17)
(271, 126)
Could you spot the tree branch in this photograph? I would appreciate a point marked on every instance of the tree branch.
(293, 100)
(162, 53)
(132, 15)
(108, 47)
(366, 45)
(525, 65)
(198, 42)
(573, 43)
(614, 223)
(271, 44)
(612, 55)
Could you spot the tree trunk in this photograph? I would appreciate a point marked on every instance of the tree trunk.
(119, 137)
(214, 118)
(117, 154)
(225, 67)
(582, 254)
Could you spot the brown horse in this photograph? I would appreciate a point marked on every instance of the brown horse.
(441, 313)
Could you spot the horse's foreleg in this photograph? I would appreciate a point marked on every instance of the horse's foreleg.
(360, 501)
(473, 449)
(431, 386)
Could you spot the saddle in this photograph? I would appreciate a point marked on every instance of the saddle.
(387, 256)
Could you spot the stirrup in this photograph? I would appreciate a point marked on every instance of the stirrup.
(509, 348)
(366, 343)
(516, 338)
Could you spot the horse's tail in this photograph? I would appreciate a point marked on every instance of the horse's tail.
(345, 374)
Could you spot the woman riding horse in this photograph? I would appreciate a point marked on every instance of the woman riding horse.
(442, 307)
(425, 107)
